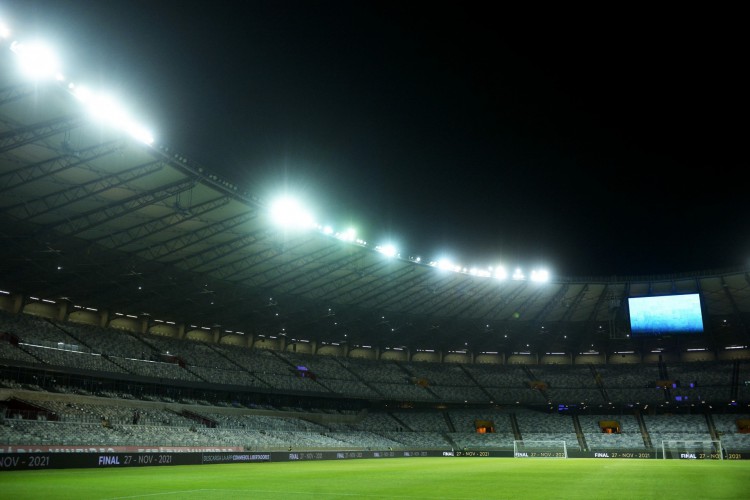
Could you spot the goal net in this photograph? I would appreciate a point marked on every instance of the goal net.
(540, 449)
(688, 449)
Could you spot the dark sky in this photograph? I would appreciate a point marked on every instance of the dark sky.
(596, 142)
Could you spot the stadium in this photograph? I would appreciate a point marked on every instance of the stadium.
(155, 313)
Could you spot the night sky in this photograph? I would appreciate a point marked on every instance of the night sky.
(594, 142)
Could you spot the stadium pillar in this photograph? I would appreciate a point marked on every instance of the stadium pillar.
(16, 303)
(181, 331)
(63, 308)
(145, 323)
(216, 335)
(104, 318)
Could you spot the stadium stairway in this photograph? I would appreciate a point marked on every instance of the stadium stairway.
(516, 429)
(203, 420)
(579, 433)
(400, 422)
(644, 432)
(711, 427)
(735, 381)
(599, 382)
(449, 422)
(449, 438)
(481, 388)
(357, 375)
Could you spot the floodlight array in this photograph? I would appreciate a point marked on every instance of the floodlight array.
(38, 62)
(290, 213)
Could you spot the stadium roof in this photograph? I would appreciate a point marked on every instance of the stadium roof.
(92, 215)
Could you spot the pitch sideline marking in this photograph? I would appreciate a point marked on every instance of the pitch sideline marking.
(286, 492)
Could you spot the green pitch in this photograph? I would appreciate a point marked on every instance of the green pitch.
(399, 478)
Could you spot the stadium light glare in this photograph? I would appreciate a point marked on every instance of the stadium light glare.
(501, 273)
(482, 273)
(445, 264)
(518, 274)
(349, 235)
(37, 60)
(540, 275)
(4, 30)
(136, 131)
(388, 250)
(81, 93)
(108, 110)
(288, 212)
(105, 109)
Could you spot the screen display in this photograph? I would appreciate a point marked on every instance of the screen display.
(667, 314)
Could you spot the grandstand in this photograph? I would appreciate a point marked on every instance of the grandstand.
(61, 389)
(147, 302)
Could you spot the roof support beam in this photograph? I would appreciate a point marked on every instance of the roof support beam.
(37, 132)
(16, 93)
(181, 242)
(28, 174)
(138, 232)
(93, 218)
(68, 195)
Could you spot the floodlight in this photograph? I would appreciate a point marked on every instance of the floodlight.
(36, 60)
(4, 30)
(108, 110)
(81, 93)
(288, 212)
(348, 235)
(541, 275)
(387, 250)
(482, 273)
(445, 264)
(139, 133)
(501, 273)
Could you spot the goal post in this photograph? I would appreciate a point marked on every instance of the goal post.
(540, 449)
(691, 449)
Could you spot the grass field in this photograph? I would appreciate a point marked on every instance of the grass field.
(396, 478)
